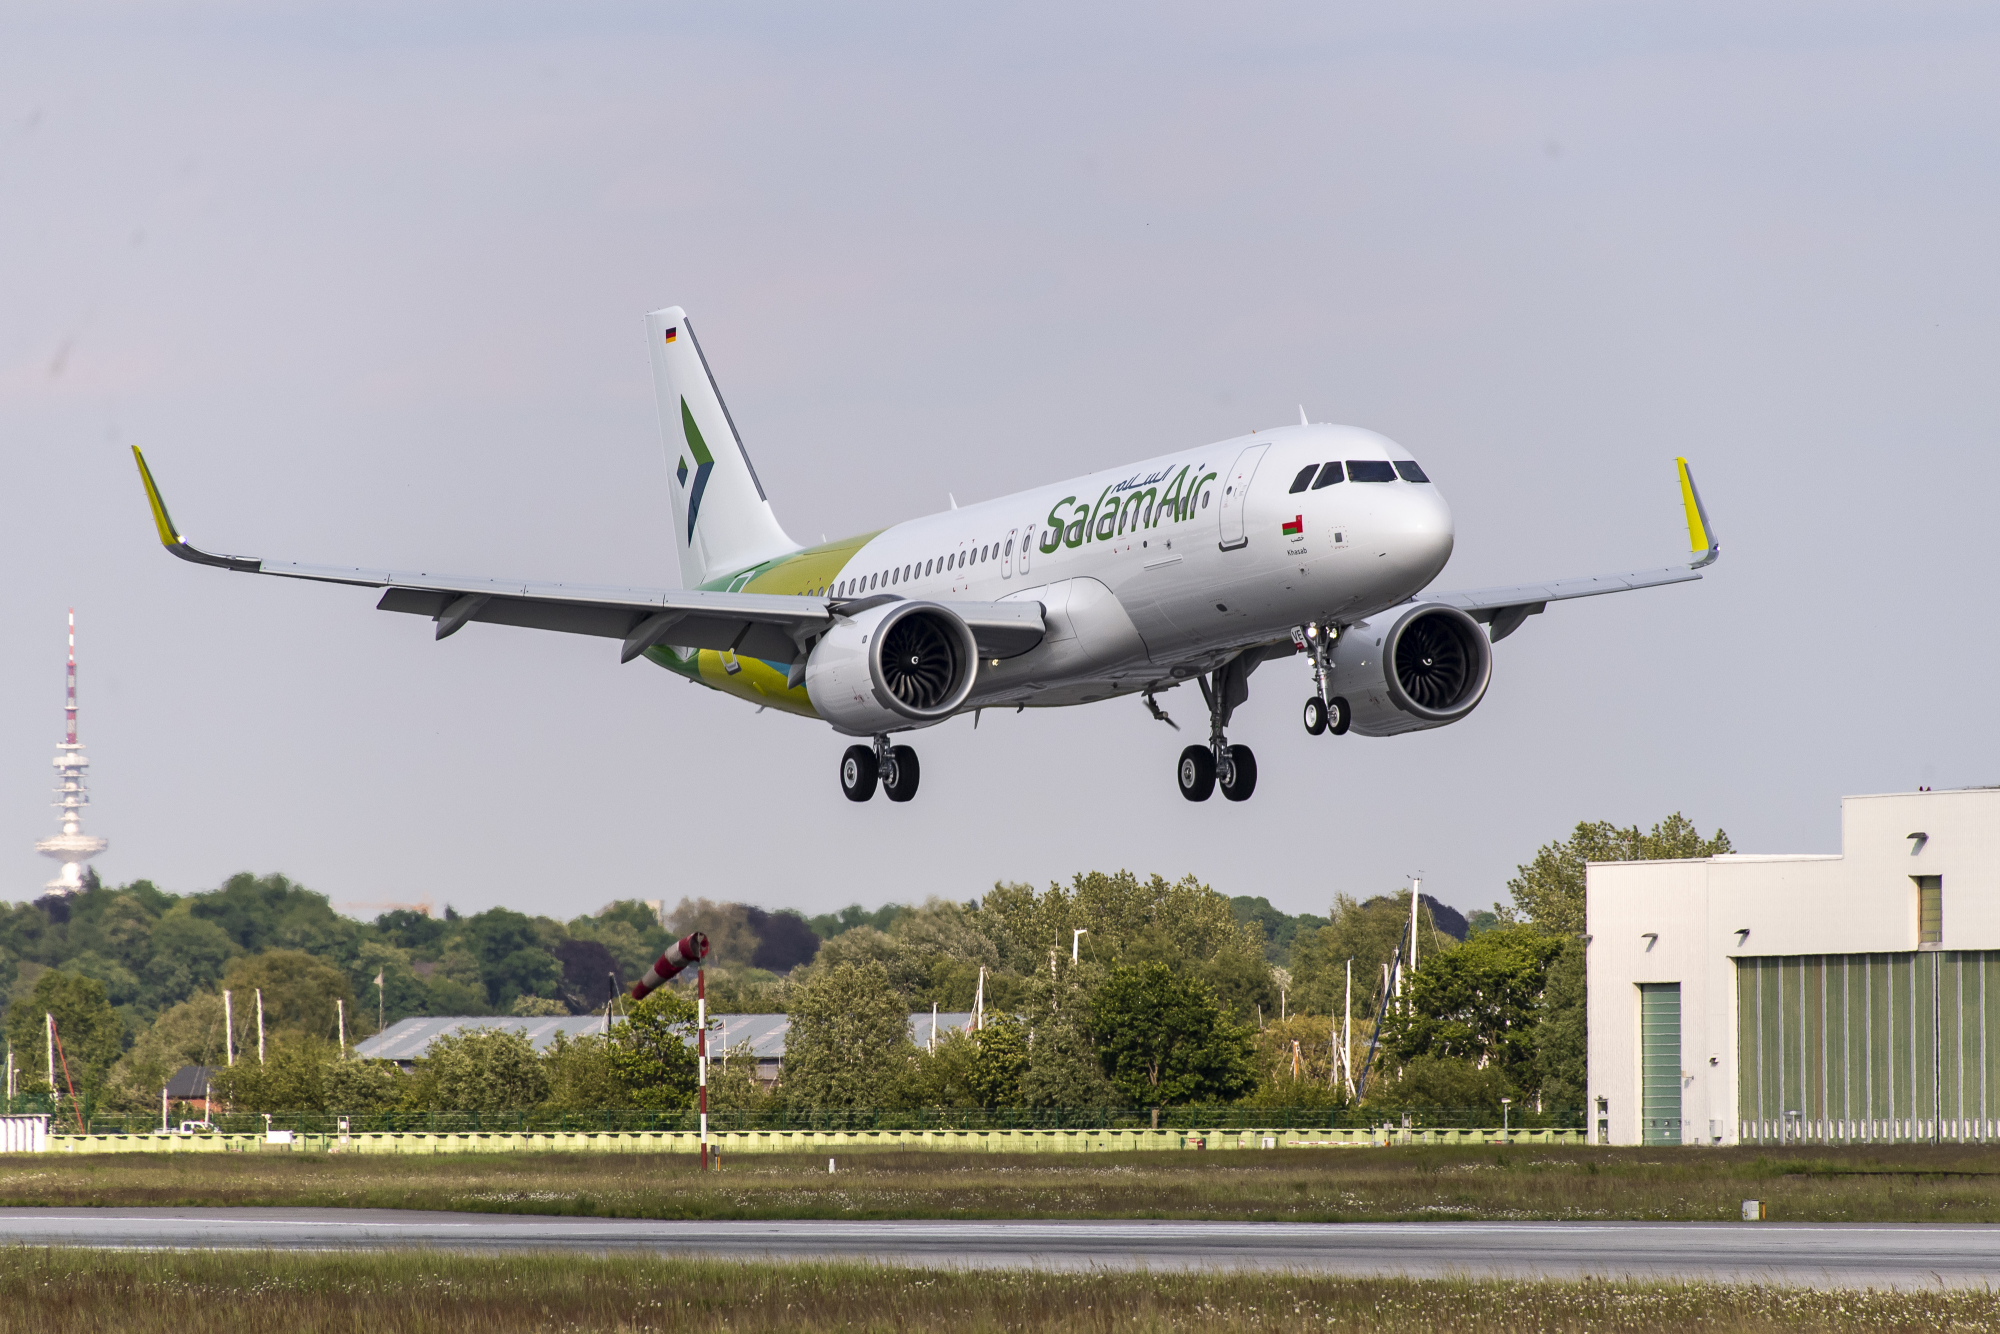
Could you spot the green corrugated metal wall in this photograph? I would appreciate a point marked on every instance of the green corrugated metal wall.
(1660, 1062)
(1836, 1047)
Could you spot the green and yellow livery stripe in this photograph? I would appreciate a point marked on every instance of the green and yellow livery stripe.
(807, 573)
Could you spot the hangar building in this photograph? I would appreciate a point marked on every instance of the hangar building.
(1823, 999)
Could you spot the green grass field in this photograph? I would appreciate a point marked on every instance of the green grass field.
(65, 1291)
(1893, 1184)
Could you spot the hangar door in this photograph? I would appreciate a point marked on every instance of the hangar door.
(1660, 1062)
(1861, 1047)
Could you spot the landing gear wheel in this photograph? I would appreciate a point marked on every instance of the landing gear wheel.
(1241, 780)
(1315, 715)
(857, 773)
(1338, 716)
(1197, 773)
(900, 783)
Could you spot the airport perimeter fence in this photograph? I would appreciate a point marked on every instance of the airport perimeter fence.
(1224, 1117)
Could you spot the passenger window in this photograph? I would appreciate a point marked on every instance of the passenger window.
(1370, 470)
(1010, 546)
(1328, 475)
(1304, 479)
(1410, 471)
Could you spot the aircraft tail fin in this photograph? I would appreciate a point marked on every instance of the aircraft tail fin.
(722, 521)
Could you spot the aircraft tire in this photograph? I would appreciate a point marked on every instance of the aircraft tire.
(857, 773)
(1338, 716)
(901, 784)
(1242, 779)
(1196, 773)
(1315, 716)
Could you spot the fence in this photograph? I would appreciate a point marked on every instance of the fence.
(1228, 1117)
(1799, 1130)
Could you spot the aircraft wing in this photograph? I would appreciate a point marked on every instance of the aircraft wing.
(1503, 609)
(775, 627)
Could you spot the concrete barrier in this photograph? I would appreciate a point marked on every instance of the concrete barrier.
(799, 1141)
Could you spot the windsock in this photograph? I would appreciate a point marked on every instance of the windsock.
(689, 950)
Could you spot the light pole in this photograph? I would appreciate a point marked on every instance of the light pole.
(1506, 1107)
(1074, 937)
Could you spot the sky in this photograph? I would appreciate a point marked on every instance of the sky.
(366, 281)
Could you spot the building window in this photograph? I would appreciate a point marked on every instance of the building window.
(1930, 909)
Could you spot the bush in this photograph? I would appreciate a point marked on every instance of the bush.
(478, 1070)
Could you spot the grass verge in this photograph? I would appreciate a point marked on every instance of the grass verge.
(60, 1291)
(1889, 1184)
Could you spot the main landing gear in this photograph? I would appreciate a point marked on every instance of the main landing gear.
(1322, 714)
(894, 767)
(1202, 769)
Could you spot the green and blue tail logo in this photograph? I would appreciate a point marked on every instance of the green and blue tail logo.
(704, 464)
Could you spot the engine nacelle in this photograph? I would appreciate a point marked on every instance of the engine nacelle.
(891, 668)
(1426, 667)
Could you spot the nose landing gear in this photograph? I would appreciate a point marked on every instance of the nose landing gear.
(1322, 714)
(895, 768)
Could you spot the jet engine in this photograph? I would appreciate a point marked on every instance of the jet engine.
(891, 668)
(1427, 667)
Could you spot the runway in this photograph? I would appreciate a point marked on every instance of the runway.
(1815, 1255)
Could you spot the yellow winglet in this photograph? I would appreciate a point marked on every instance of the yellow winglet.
(161, 520)
(170, 537)
(1701, 536)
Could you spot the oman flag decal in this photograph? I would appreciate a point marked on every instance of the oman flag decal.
(1295, 525)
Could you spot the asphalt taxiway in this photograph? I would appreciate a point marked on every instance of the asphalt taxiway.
(1815, 1255)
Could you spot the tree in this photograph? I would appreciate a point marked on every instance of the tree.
(1370, 934)
(90, 1035)
(190, 954)
(302, 994)
(188, 1034)
(1165, 1039)
(582, 1076)
(513, 959)
(478, 1070)
(733, 1085)
(1064, 1070)
(1561, 1049)
(305, 1073)
(850, 1039)
(1479, 1003)
(980, 1068)
(1311, 1082)
(1548, 891)
(1442, 1082)
(652, 1049)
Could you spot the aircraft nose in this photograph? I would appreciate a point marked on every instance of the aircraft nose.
(1427, 534)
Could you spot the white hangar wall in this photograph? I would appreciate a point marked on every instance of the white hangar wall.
(1745, 999)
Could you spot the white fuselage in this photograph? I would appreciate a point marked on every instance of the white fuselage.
(1142, 594)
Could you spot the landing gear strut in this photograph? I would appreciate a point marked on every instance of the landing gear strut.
(1322, 714)
(895, 768)
(1202, 769)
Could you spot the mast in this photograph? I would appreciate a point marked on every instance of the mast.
(72, 847)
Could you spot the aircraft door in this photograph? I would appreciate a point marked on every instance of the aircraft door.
(1230, 505)
(1021, 560)
(1007, 554)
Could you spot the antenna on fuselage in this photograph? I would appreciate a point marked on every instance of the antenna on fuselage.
(1302, 416)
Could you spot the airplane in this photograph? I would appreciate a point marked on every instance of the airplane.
(1199, 565)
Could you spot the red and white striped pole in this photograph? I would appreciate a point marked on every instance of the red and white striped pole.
(701, 1053)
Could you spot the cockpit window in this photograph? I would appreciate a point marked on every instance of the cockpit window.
(1410, 471)
(1371, 470)
(1305, 476)
(1328, 475)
